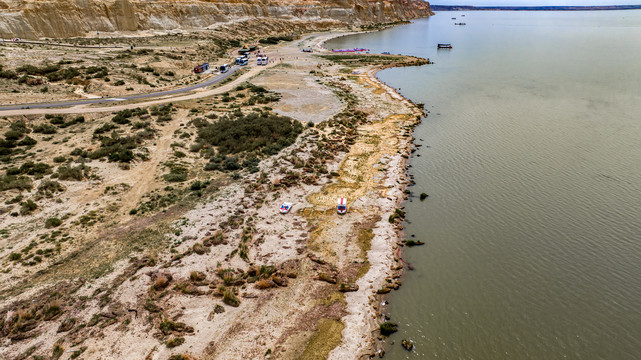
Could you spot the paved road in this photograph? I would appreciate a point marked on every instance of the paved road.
(209, 82)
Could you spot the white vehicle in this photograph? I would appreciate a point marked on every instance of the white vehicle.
(285, 207)
(342, 206)
(224, 68)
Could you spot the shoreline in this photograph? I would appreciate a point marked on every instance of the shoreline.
(313, 237)
(392, 267)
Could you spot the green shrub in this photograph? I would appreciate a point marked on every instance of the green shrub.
(76, 173)
(230, 298)
(21, 183)
(27, 141)
(77, 120)
(44, 129)
(57, 352)
(15, 200)
(119, 148)
(64, 74)
(52, 222)
(122, 117)
(104, 128)
(59, 159)
(50, 187)
(179, 357)
(197, 185)
(34, 70)
(96, 72)
(175, 177)
(176, 174)
(27, 207)
(163, 113)
(31, 168)
(175, 342)
(19, 126)
(275, 39)
(13, 135)
(8, 74)
(55, 120)
(251, 132)
(168, 326)
(230, 163)
(78, 152)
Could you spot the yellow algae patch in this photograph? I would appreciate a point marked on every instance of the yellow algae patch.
(357, 170)
(364, 242)
(325, 339)
(357, 177)
(332, 298)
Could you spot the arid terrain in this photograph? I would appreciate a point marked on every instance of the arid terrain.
(55, 19)
(151, 229)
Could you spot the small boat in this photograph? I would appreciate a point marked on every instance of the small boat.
(444, 46)
(341, 206)
(459, 23)
(285, 207)
(453, 18)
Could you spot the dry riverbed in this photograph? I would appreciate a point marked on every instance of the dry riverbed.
(164, 248)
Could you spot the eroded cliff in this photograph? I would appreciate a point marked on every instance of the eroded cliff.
(71, 18)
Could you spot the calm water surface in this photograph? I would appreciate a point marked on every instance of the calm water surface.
(532, 159)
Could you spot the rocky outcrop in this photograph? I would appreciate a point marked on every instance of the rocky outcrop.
(72, 18)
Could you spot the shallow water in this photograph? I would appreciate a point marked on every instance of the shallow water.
(531, 156)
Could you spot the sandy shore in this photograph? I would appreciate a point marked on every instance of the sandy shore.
(324, 298)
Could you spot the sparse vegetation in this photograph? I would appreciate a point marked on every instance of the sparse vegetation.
(229, 297)
(175, 342)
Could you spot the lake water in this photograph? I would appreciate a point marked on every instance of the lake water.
(532, 159)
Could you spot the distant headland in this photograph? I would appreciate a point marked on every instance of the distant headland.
(533, 8)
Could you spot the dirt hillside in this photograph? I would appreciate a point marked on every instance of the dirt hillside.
(31, 19)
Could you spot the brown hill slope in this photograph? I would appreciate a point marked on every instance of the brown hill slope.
(70, 18)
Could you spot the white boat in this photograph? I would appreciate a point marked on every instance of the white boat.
(341, 207)
(285, 207)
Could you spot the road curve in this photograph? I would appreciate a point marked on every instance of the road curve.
(212, 81)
